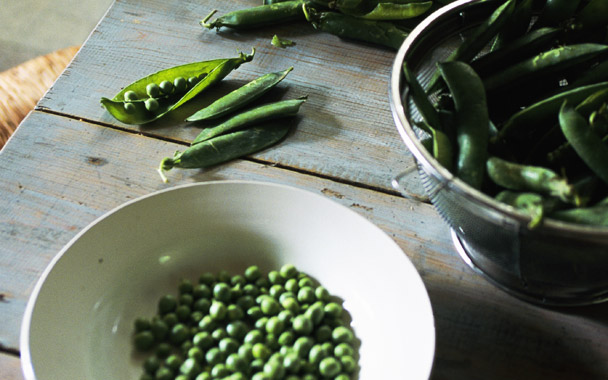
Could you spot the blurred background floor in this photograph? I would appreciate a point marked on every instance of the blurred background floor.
(30, 28)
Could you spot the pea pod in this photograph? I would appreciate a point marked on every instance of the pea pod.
(586, 142)
(595, 215)
(532, 204)
(382, 33)
(256, 17)
(424, 105)
(517, 50)
(528, 178)
(478, 39)
(593, 15)
(129, 105)
(547, 63)
(516, 26)
(597, 73)
(240, 97)
(543, 113)
(224, 148)
(283, 108)
(556, 11)
(392, 11)
(472, 120)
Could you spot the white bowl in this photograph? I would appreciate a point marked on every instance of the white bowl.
(79, 319)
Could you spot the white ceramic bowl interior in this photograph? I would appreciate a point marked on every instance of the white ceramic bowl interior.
(78, 322)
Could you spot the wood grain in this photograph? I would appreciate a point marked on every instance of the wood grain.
(346, 84)
(60, 174)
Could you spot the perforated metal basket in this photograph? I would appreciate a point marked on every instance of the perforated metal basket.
(558, 264)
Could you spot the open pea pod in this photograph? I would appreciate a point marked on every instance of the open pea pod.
(144, 101)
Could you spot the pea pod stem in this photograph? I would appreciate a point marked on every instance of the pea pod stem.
(240, 97)
(532, 204)
(280, 109)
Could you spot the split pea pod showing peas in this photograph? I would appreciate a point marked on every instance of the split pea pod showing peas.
(471, 119)
(155, 95)
(240, 97)
(225, 147)
(258, 16)
(266, 112)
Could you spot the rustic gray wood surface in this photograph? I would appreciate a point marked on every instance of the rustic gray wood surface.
(69, 163)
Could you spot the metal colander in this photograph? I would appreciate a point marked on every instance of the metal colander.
(557, 264)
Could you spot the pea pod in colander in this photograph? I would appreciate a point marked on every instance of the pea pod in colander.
(240, 97)
(129, 105)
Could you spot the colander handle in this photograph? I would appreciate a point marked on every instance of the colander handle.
(409, 184)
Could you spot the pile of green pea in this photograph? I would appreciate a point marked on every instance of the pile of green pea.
(158, 91)
(279, 325)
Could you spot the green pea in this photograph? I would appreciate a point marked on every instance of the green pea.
(316, 354)
(173, 362)
(302, 346)
(253, 273)
(236, 363)
(274, 369)
(288, 271)
(261, 351)
(180, 84)
(315, 312)
(291, 285)
(343, 349)
(219, 334)
(167, 304)
(333, 310)
(207, 278)
(152, 364)
(342, 376)
(190, 367)
(342, 334)
(214, 356)
(349, 364)
(287, 338)
(321, 293)
(253, 337)
(305, 281)
(166, 87)
(129, 108)
(201, 291)
(275, 326)
(146, 376)
(234, 313)
(183, 313)
(260, 376)
(179, 333)
(330, 367)
(159, 329)
(192, 81)
(270, 306)
(275, 278)
(260, 324)
(163, 350)
(203, 305)
(224, 276)
(144, 340)
(131, 96)
(170, 319)
(323, 333)
(153, 90)
(219, 371)
(197, 354)
(203, 340)
(163, 373)
(228, 345)
(221, 292)
(186, 299)
(251, 290)
(204, 376)
(276, 290)
(255, 312)
(245, 302)
(286, 316)
(302, 324)
(246, 351)
(142, 324)
(237, 329)
(218, 310)
(207, 323)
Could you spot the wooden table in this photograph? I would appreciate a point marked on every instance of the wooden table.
(69, 162)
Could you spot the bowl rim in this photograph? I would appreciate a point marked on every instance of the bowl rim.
(24, 338)
(432, 167)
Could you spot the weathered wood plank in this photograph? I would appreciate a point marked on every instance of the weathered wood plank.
(10, 367)
(58, 174)
(345, 130)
